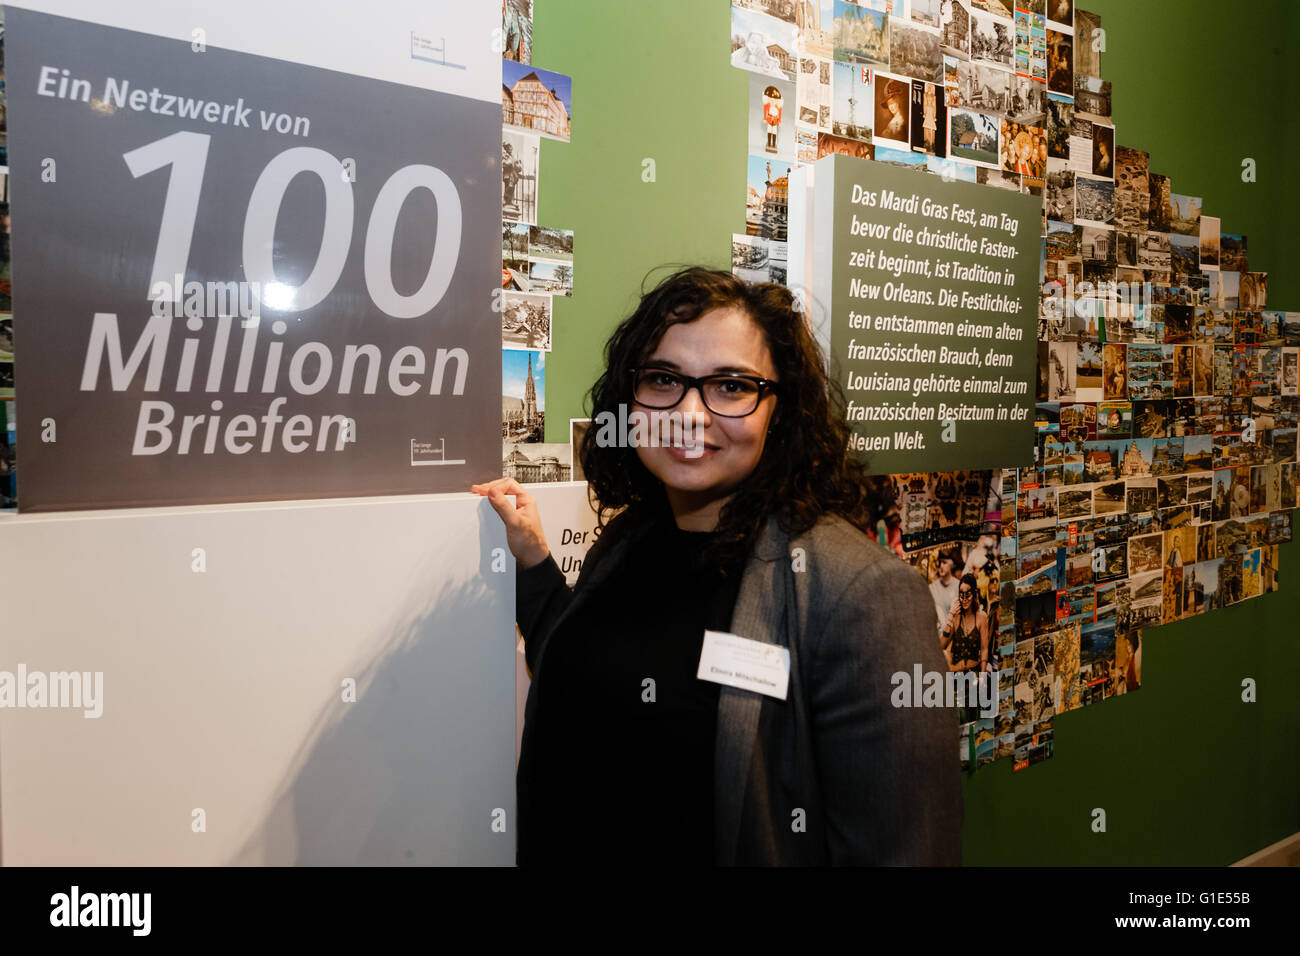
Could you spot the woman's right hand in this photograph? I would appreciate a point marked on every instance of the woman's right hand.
(524, 535)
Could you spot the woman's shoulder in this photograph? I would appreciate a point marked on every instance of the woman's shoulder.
(834, 533)
(860, 594)
(838, 551)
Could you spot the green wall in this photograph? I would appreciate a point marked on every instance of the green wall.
(1186, 772)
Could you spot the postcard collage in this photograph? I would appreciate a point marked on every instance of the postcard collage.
(537, 263)
(1164, 476)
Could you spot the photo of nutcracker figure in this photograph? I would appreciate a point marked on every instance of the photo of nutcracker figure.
(771, 116)
(772, 109)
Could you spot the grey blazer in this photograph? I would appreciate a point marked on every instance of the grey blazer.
(833, 774)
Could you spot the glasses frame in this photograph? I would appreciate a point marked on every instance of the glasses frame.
(765, 385)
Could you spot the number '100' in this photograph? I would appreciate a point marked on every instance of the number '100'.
(187, 154)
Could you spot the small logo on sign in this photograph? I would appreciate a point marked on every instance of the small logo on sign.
(424, 48)
(432, 453)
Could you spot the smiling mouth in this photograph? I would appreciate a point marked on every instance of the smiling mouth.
(696, 450)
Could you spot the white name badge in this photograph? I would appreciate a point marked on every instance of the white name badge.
(740, 662)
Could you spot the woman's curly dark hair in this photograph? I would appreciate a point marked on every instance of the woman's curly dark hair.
(805, 470)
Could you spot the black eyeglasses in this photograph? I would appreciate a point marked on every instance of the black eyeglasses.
(963, 594)
(730, 394)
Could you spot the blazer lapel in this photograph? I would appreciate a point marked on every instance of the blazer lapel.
(759, 616)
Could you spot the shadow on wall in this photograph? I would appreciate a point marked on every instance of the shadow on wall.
(401, 777)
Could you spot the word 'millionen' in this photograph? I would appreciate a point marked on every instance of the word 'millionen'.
(105, 349)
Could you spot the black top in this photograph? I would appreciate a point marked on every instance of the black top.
(965, 644)
(621, 770)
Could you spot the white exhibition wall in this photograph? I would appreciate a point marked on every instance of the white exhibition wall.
(222, 688)
(446, 45)
(224, 635)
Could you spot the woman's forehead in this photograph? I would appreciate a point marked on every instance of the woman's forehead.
(720, 338)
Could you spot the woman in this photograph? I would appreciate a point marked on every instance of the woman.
(966, 635)
(894, 122)
(752, 525)
(1133, 670)
(930, 110)
(1025, 155)
(1101, 164)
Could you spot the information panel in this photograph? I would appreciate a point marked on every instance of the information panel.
(933, 294)
(241, 278)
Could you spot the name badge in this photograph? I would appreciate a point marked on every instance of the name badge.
(740, 662)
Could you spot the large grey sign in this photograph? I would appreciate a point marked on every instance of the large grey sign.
(237, 278)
